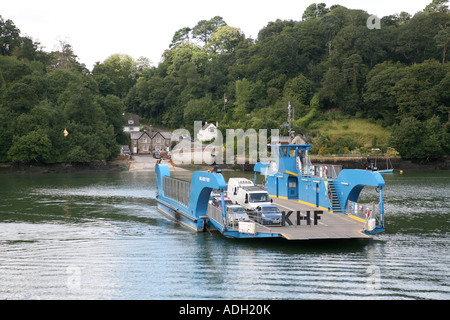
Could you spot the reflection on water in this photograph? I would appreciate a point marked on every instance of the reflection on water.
(101, 237)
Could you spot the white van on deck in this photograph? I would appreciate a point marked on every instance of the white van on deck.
(243, 192)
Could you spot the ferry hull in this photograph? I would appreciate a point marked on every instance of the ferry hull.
(197, 225)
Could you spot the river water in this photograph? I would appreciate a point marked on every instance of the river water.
(100, 236)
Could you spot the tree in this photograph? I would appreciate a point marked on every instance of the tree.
(315, 10)
(417, 92)
(416, 40)
(437, 6)
(181, 36)
(58, 81)
(299, 88)
(415, 139)
(27, 49)
(6, 132)
(78, 155)
(105, 85)
(120, 69)
(225, 39)
(273, 29)
(191, 82)
(86, 143)
(13, 69)
(202, 109)
(443, 40)
(9, 37)
(397, 19)
(80, 106)
(65, 58)
(379, 101)
(34, 146)
(205, 28)
(312, 36)
(183, 53)
(21, 97)
(333, 88)
(41, 94)
(332, 24)
(243, 96)
(113, 108)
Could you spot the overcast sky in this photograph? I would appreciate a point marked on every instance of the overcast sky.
(97, 29)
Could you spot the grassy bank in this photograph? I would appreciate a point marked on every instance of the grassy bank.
(345, 135)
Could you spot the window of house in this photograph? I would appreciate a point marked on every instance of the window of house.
(158, 140)
(130, 121)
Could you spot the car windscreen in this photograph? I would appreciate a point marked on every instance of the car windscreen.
(259, 197)
(269, 209)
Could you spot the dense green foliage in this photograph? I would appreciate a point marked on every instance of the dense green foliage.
(329, 65)
(44, 94)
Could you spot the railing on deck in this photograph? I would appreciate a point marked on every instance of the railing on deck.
(362, 210)
(331, 171)
(177, 190)
(365, 211)
(216, 215)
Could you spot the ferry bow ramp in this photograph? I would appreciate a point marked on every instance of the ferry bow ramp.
(328, 225)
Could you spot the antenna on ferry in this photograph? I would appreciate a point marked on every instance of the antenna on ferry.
(290, 118)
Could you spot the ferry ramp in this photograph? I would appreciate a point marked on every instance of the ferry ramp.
(302, 222)
(328, 226)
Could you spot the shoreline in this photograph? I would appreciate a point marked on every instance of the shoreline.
(142, 163)
(146, 163)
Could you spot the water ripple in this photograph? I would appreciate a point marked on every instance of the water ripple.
(101, 237)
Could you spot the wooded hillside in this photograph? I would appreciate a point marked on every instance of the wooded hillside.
(338, 72)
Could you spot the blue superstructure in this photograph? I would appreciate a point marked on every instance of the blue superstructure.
(292, 176)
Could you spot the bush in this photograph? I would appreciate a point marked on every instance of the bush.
(34, 146)
(343, 145)
(415, 139)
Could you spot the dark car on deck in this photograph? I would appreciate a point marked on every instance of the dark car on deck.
(267, 214)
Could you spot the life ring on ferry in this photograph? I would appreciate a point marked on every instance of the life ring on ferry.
(367, 212)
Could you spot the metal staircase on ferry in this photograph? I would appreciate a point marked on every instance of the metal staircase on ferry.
(335, 205)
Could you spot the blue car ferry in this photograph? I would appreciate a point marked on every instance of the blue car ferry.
(316, 201)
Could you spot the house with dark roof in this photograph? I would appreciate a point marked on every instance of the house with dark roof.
(161, 141)
(132, 123)
(148, 142)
